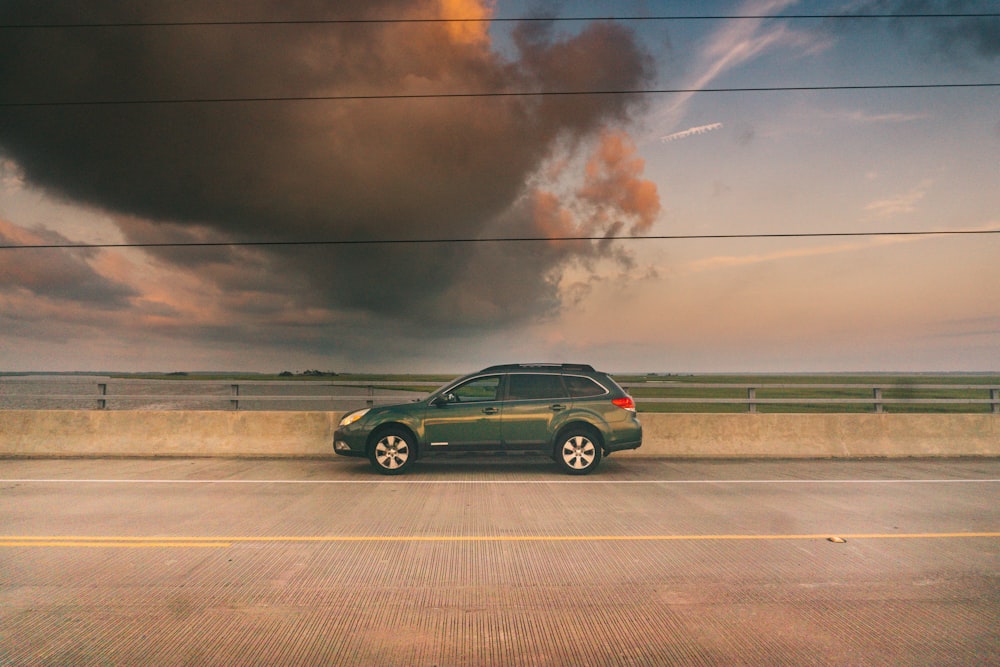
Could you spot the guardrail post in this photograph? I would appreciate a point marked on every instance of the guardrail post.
(995, 400)
(102, 390)
(371, 396)
(878, 400)
(751, 397)
(235, 391)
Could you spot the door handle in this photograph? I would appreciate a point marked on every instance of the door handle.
(490, 411)
(557, 407)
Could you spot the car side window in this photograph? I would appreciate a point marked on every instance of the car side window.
(534, 386)
(583, 387)
(480, 389)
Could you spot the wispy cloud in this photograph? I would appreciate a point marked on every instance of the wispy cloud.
(739, 42)
(975, 327)
(730, 261)
(690, 132)
(862, 117)
(899, 204)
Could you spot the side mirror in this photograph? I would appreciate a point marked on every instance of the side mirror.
(442, 400)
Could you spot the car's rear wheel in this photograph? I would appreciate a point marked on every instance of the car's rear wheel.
(393, 451)
(578, 451)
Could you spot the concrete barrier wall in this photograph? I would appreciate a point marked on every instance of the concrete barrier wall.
(819, 435)
(310, 434)
(165, 433)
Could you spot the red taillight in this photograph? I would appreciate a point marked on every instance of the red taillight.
(625, 403)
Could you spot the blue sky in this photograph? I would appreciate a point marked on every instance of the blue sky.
(769, 162)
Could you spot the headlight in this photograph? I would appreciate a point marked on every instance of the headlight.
(352, 417)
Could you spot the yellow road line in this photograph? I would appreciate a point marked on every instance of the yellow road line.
(227, 541)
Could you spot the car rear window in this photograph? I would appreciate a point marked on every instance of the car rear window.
(582, 387)
(528, 386)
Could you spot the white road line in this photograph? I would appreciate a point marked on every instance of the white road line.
(487, 481)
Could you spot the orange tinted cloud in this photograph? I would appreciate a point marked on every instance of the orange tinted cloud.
(467, 32)
(614, 183)
(551, 218)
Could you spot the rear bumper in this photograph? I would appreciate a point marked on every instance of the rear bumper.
(621, 446)
(626, 435)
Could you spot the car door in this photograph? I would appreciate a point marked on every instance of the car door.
(535, 401)
(467, 417)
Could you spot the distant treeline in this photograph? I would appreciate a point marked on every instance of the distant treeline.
(311, 374)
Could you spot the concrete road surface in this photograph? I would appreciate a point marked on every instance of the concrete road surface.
(499, 561)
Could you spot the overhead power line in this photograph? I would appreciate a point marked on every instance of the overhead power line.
(511, 239)
(434, 96)
(564, 19)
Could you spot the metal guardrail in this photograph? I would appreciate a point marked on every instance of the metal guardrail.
(878, 399)
(217, 394)
(241, 395)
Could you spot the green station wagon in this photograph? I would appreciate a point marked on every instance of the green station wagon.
(570, 412)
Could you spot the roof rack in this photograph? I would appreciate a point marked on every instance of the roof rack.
(515, 367)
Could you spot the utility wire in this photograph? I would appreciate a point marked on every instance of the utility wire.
(671, 17)
(434, 96)
(511, 239)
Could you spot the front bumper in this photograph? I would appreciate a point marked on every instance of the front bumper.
(349, 443)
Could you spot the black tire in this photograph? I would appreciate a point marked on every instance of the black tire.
(393, 451)
(578, 451)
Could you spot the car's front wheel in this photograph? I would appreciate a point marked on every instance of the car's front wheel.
(578, 451)
(393, 451)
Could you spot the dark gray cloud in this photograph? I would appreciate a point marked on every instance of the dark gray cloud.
(955, 39)
(290, 171)
(980, 37)
(62, 275)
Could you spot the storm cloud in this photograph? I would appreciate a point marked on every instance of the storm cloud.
(171, 166)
